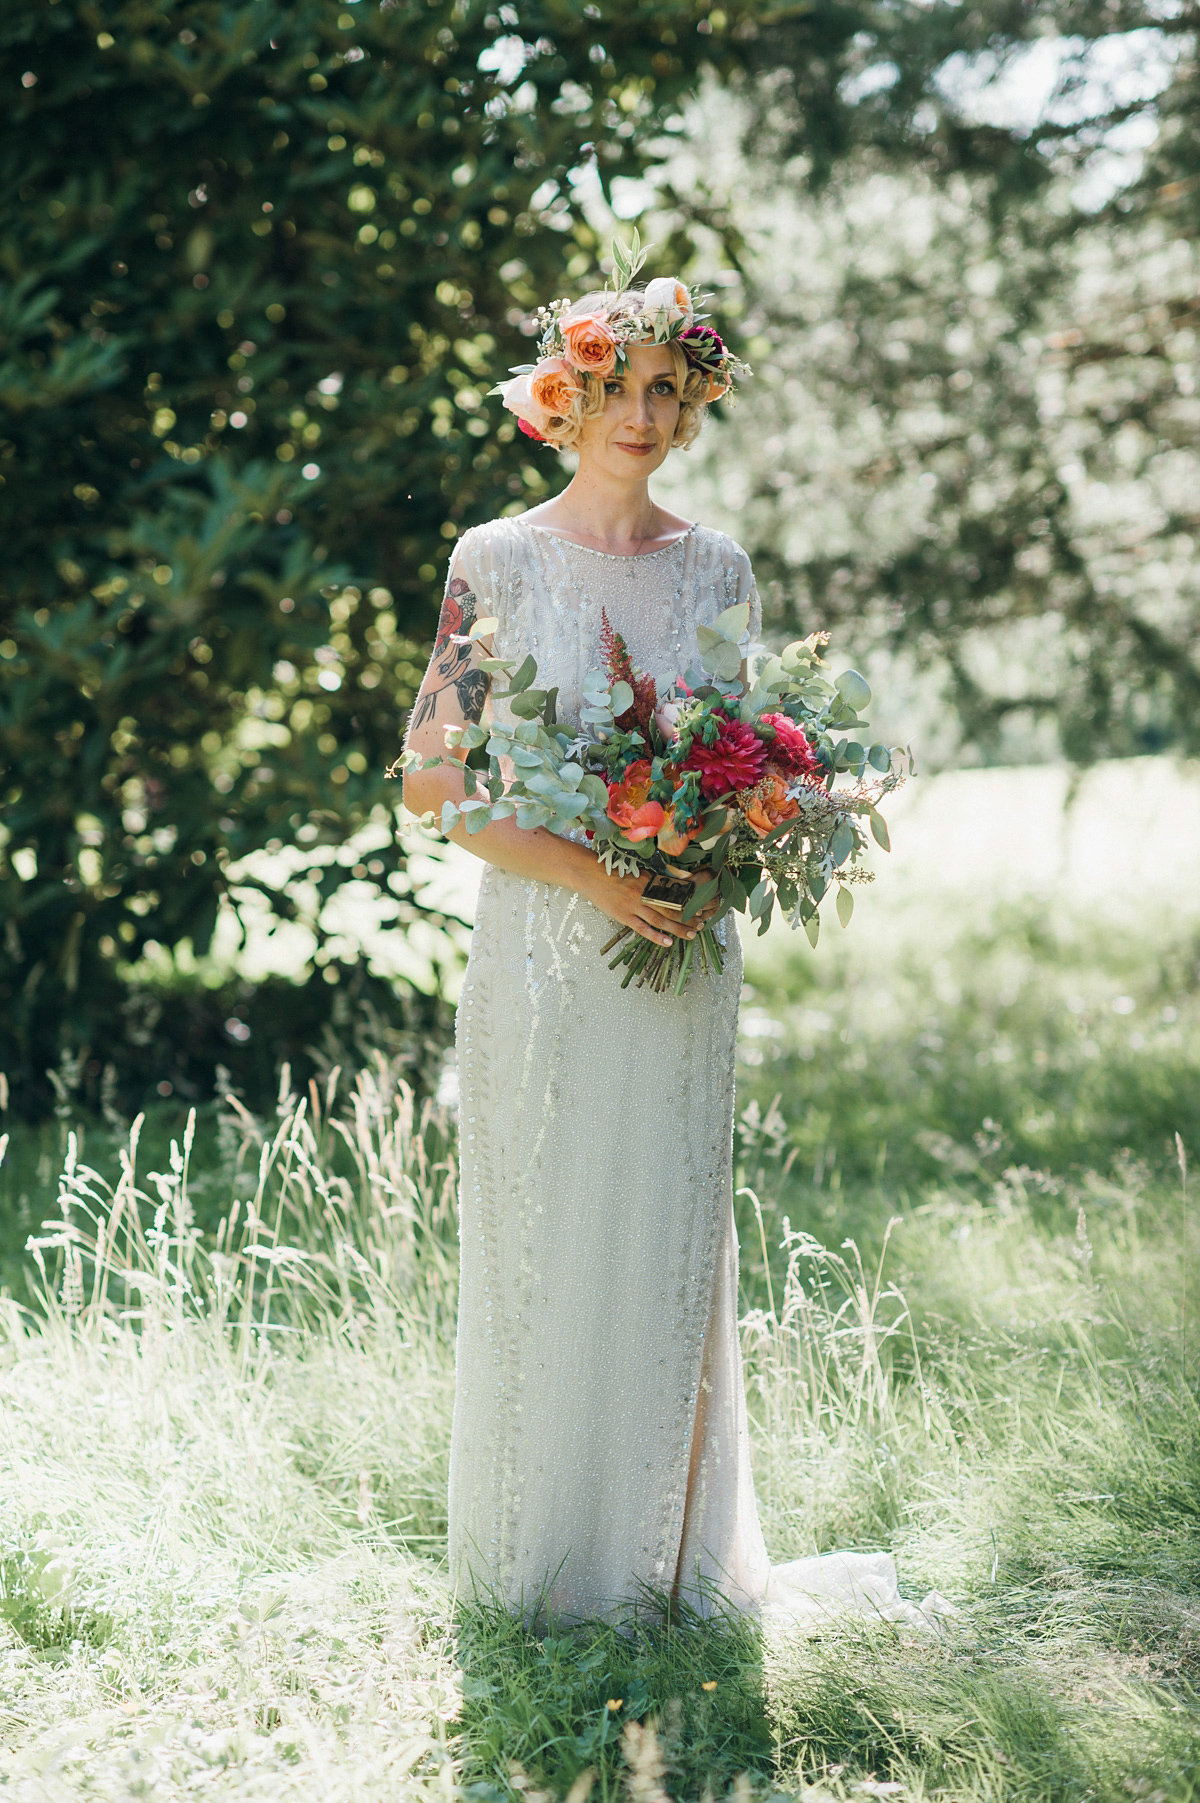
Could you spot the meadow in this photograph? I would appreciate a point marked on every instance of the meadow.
(226, 1379)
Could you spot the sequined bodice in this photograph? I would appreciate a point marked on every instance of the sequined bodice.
(549, 595)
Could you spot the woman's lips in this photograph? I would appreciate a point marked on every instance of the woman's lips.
(636, 450)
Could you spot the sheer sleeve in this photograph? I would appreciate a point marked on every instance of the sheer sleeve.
(480, 560)
(741, 586)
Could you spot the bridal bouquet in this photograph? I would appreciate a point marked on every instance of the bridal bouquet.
(722, 790)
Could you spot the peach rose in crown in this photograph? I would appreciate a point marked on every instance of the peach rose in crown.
(665, 295)
(554, 385)
(517, 396)
(590, 345)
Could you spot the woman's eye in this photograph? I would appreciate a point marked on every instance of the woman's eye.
(612, 388)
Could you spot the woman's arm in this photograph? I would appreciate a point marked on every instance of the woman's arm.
(453, 693)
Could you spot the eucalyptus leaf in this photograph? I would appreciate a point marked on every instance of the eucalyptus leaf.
(527, 705)
(842, 842)
(706, 638)
(542, 782)
(533, 813)
(879, 830)
(844, 905)
(812, 930)
(476, 822)
(621, 697)
(880, 758)
(759, 897)
(449, 818)
(524, 759)
(818, 883)
(854, 689)
(734, 621)
(524, 676)
(723, 660)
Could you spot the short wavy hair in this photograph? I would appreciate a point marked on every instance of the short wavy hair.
(564, 430)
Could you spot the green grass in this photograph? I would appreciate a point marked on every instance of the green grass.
(223, 1451)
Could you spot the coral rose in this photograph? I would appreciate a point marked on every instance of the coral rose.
(517, 396)
(554, 385)
(735, 761)
(769, 804)
(672, 841)
(790, 751)
(590, 345)
(666, 295)
(628, 807)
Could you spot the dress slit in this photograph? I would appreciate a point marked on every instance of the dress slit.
(721, 1554)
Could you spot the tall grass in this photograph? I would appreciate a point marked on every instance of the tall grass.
(224, 1442)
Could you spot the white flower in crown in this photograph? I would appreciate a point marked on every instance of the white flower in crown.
(518, 397)
(668, 298)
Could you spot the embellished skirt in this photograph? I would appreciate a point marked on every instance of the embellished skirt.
(599, 1444)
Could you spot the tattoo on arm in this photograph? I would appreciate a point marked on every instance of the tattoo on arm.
(452, 665)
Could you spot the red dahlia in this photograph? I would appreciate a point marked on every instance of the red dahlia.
(791, 751)
(735, 761)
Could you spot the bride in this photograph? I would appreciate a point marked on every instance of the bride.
(600, 1444)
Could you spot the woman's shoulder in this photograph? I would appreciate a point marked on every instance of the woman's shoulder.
(492, 540)
(718, 548)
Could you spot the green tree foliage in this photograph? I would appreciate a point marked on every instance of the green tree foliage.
(973, 284)
(260, 263)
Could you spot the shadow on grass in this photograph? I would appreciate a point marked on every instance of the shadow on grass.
(544, 1709)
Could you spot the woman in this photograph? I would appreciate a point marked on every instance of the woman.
(599, 1444)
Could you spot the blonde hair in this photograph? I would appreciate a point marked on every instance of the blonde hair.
(565, 430)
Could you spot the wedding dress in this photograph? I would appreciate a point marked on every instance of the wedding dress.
(600, 1441)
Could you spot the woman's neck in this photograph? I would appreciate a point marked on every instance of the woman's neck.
(615, 516)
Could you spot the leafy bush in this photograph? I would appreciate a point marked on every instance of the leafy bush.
(261, 263)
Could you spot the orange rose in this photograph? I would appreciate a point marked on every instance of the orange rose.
(554, 386)
(717, 386)
(628, 807)
(590, 345)
(672, 841)
(768, 804)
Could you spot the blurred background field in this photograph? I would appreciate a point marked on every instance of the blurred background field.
(258, 268)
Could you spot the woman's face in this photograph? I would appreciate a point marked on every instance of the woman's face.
(641, 411)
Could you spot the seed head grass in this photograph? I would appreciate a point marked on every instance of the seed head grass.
(226, 1376)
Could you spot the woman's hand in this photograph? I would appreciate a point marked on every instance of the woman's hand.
(620, 897)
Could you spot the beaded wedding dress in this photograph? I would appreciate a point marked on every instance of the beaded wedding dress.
(600, 1442)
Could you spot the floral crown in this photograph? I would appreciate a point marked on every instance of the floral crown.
(583, 338)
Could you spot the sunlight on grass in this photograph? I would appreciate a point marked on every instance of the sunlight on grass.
(223, 1464)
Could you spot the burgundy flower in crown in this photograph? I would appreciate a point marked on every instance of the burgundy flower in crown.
(703, 347)
(584, 342)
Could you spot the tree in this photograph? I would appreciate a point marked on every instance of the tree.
(261, 262)
(974, 327)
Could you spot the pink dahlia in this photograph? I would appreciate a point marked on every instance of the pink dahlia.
(790, 751)
(735, 761)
